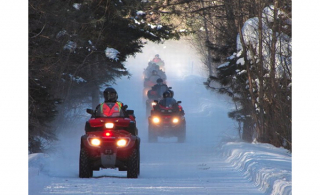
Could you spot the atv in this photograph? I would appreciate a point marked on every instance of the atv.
(149, 82)
(154, 94)
(110, 142)
(167, 120)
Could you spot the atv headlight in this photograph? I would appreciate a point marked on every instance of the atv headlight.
(156, 119)
(175, 120)
(109, 125)
(122, 142)
(95, 142)
(153, 103)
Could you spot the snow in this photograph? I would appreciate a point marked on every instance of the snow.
(61, 33)
(254, 160)
(224, 65)
(213, 160)
(242, 72)
(112, 53)
(77, 78)
(139, 13)
(70, 46)
(251, 37)
(305, 118)
(240, 61)
(77, 6)
(136, 21)
(155, 26)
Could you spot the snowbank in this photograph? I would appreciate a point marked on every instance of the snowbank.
(269, 167)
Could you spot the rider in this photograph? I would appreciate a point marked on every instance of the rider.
(171, 93)
(154, 76)
(169, 101)
(151, 66)
(158, 61)
(110, 106)
(161, 73)
(160, 87)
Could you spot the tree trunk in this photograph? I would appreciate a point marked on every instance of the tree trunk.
(231, 22)
(95, 92)
(249, 74)
(273, 91)
(209, 58)
(95, 96)
(260, 69)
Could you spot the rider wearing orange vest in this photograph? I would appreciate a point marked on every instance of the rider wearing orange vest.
(110, 106)
(157, 60)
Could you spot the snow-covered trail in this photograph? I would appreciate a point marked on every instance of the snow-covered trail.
(167, 167)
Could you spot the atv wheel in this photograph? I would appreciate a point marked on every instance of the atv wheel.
(182, 136)
(148, 108)
(133, 164)
(138, 162)
(151, 136)
(85, 170)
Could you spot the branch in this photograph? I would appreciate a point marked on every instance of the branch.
(40, 31)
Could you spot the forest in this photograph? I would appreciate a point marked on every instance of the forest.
(245, 46)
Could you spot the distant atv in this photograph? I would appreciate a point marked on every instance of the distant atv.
(167, 120)
(110, 142)
(151, 81)
(154, 94)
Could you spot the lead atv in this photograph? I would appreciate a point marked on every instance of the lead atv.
(167, 120)
(110, 142)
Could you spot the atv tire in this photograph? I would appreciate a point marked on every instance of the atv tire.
(148, 109)
(182, 136)
(133, 164)
(151, 135)
(139, 163)
(85, 169)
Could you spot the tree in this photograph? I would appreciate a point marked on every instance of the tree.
(74, 48)
(259, 75)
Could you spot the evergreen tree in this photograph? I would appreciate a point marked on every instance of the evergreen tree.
(74, 48)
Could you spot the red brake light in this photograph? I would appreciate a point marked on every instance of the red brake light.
(108, 134)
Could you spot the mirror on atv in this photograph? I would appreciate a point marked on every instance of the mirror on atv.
(90, 111)
(178, 102)
(169, 87)
(130, 112)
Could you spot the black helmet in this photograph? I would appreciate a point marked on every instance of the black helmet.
(171, 92)
(166, 94)
(157, 55)
(110, 95)
(159, 80)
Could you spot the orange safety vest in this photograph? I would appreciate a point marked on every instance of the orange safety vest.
(156, 60)
(109, 108)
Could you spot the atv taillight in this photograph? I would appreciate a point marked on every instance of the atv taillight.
(108, 134)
